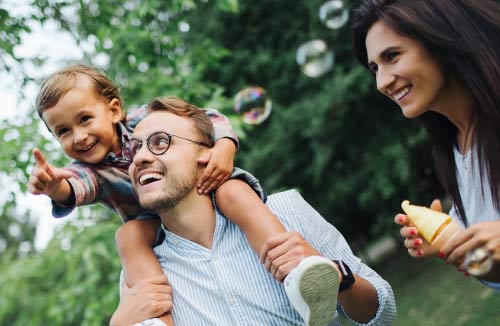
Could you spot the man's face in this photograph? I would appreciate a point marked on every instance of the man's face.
(162, 181)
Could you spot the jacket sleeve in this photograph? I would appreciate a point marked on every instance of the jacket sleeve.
(222, 126)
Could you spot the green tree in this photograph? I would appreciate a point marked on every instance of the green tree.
(73, 282)
(335, 138)
(17, 226)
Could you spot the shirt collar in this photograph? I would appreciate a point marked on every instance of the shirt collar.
(116, 159)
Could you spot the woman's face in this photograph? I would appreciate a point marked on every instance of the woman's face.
(405, 72)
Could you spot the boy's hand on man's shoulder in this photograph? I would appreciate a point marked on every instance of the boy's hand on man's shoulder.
(219, 165)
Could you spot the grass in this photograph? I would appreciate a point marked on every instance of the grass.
(429, 292)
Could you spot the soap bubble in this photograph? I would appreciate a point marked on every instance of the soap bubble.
(253, 105)
(314, 58)
(333, 14)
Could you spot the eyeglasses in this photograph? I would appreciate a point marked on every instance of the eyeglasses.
(158, 143)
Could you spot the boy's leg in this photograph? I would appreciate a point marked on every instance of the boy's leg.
(134, 241)
(240, 204)
(310, 285)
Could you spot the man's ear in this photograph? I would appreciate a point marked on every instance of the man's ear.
(204, 156)
(116, 109)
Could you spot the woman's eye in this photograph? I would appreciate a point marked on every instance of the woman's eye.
(392, 55)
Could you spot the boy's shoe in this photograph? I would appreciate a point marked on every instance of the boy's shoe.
(151, 322)
(312, 288)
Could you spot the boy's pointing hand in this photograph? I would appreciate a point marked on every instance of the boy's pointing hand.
(45, 179)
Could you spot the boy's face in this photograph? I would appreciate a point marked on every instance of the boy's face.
(84, 123)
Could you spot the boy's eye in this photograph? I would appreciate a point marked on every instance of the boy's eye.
(86, 118)
(62, 131)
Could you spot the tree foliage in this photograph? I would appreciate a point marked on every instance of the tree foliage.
(74, 281)
(345, 147)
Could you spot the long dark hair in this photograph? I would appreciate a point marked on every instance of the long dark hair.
(464, 36)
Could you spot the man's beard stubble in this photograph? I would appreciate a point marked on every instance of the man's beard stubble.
(173, 191)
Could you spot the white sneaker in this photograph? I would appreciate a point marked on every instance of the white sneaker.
(312, 288)
(151, 322)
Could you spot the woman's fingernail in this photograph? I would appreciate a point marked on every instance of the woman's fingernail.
(412, 232)
(440, 254)
(466, 274)
(400, 219)
(417, 242)
(420, 252)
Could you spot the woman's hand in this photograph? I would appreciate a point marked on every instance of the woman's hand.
(417, 246)
(484, 235)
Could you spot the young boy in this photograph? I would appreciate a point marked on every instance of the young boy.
(82, 108)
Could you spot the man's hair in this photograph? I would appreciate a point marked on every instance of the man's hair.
(182, 108)
(64, 80)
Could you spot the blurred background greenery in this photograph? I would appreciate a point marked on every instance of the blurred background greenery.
(342, 145)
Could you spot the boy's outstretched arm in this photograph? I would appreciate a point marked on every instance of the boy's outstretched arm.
(51, 181)
(134, 242)
(239, 203)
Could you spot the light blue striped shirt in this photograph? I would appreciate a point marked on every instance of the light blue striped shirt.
(227, 285)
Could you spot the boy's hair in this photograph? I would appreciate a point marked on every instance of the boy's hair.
(63, 81)
(182, 108)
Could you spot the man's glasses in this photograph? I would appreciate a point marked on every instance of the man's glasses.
(158, 143)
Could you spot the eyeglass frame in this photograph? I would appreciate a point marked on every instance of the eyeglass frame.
(148, 145)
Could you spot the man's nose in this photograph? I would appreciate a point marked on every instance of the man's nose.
(143, 155)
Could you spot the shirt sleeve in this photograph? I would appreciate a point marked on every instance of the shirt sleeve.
(330, 242)
(222, 126)
(85, 186)
(251, 180)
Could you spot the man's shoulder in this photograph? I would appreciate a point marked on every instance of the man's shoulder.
(286, 195)
(286, 201)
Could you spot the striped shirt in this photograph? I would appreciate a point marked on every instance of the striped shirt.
(108, 182)
(226, 285)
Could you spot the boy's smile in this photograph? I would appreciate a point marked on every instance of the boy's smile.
(84, 123)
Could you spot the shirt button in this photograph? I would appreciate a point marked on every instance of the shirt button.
(232, 301)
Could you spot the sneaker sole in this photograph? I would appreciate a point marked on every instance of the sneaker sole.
(319, 288)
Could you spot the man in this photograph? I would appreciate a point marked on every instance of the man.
(216, 277)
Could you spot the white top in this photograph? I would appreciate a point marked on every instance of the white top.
(478, 203)
(226, 285)
(477, 200)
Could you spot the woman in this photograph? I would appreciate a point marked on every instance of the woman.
(440, 62)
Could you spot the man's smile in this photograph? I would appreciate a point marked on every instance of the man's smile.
(149, 177)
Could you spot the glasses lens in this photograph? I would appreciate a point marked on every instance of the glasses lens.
(158, 143)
